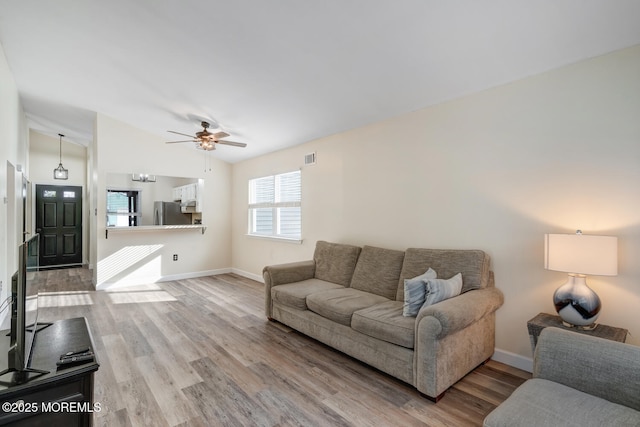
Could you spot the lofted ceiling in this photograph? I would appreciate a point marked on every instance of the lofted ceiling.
(277, 73)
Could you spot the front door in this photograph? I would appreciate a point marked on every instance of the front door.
(59, 223)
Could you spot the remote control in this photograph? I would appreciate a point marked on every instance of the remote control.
(71, 353)
(70, 360)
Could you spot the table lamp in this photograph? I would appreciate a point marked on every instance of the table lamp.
(579, 254)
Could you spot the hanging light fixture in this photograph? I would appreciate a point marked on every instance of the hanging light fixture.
(60, 172)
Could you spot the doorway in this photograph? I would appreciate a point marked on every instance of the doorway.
(59, 223)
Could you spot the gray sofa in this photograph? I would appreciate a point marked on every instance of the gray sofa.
(578, 380)
(351, 299)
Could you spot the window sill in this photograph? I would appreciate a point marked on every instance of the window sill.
(275, 239)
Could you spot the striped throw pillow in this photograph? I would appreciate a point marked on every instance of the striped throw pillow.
(414, 293)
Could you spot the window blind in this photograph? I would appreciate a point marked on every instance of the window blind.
(275, 206)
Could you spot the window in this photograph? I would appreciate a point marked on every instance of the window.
(274, 206)
(123, 208)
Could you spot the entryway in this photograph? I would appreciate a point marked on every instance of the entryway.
(59, 223)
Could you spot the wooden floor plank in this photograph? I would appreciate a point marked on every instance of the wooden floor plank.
(142, 407)
(200, 352)
(175, 407)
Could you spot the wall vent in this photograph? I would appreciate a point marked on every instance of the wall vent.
(310, 159)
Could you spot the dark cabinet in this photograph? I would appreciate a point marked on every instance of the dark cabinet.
(63, 396)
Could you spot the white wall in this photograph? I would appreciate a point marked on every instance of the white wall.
(495, 171)
(13, 153)
(143, 256)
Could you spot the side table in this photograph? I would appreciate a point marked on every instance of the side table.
(544, 320)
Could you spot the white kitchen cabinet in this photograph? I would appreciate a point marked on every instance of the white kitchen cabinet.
(189, 196)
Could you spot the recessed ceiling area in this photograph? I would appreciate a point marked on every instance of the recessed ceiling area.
(273, 74)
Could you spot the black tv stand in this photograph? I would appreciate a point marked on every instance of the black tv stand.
(21, 376)
(71, 385)
(39, 326)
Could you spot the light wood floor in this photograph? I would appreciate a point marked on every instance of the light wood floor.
(200, 352)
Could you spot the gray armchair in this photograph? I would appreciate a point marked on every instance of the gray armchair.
(578, 380)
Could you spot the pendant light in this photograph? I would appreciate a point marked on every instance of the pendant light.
(60, 172)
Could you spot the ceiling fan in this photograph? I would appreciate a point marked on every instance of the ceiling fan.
(206, 140)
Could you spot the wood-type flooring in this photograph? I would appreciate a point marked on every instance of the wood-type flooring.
(200, 352)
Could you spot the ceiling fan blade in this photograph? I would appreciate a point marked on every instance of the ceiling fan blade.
(175, 142)
(220, 134)
(235, 144)
(180, 133)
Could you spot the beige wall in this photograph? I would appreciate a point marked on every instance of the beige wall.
(143, 256)
(45, 156)
(495, 171)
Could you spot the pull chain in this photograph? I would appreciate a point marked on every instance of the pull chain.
(206, 158)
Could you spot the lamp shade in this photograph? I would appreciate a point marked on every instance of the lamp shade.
(581, 254)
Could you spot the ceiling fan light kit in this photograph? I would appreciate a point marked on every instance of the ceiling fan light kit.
(206, 140)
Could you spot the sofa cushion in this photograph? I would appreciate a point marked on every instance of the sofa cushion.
(295, 294)
(473, 264)
(339, 304)
(437, 290)
(385, 322)
(415, 292)
(378, 271)
(540, 402)
(335, 262)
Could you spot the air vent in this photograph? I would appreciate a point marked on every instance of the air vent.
(310, 159)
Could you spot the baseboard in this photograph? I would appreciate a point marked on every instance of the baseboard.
(196, 274)
(512, 359)
(140, 281)
(248, 275)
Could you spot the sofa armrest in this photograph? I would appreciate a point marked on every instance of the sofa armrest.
(452, 337)
(457, 313)
(282, 274)
(603, 368)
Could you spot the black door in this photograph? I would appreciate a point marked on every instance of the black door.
(59, 223)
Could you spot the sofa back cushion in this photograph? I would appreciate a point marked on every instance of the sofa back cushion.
(335, 262)
(378, 271)
(473, 264)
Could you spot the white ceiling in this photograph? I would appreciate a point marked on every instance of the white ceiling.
(283, 72)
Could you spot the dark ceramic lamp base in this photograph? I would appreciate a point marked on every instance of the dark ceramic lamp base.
(576, 303)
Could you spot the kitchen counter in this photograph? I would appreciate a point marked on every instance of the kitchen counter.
(141, 228)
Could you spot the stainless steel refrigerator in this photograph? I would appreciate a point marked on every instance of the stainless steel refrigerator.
(169, 213)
